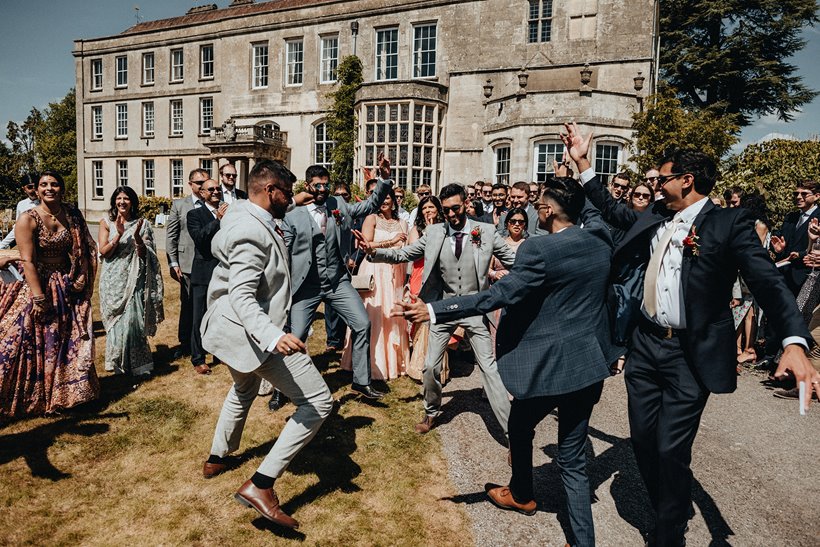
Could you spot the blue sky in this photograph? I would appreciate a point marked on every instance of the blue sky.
(36, 66)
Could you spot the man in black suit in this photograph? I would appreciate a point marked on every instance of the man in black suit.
(553, 344)
(230, 193)
(203, 224)
(794, 238)
(684, 346)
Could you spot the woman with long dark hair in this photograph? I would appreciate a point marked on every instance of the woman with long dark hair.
(130, 286)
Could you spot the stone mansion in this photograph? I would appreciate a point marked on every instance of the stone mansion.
(454, 91)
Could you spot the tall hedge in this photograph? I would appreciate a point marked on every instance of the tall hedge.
(341, 123)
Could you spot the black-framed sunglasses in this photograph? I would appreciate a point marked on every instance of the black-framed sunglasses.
(640, 195)
(423, 194)
(620, 186)
(321, 186)
(212, 190)
(801, 194)
(663, 179)
(455, 208)
(229, 175)
(518, 221)
(650, 179)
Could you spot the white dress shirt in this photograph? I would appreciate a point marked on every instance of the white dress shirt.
(319, 215)
(451, 237)
(805, 216)
(22, 206)
(228, 196)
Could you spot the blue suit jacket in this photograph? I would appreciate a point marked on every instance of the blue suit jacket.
(554, 335)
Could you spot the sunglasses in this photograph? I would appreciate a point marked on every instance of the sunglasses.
(229, 175)
(212, 190)
(640, 195)
(455, 209)
(801, 194)
(321, 186)
(517, 221)
(650, 179)
(620, 186)
(423, 194)
(663, 179)
(344, 195)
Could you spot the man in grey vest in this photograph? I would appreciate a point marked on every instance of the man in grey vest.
(313, 234)
(457, 256)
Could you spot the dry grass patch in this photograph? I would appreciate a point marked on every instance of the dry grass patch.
(127, 469)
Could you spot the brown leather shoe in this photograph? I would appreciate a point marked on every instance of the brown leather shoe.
(425, 425)
(211, 470)
(202, 369)
(502, 498)
(265, 503)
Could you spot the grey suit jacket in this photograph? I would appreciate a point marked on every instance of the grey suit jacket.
(299, 229)
(532, 223)
(249, 295)
(429, 246)
(178, 243)
(554, 336)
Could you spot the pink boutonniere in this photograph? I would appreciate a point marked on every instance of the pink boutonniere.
(475, 234)
(337, 214)
(690, 242)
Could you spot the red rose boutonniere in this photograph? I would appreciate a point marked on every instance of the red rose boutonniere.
(337, 214)
(690, 242)
(475, 234)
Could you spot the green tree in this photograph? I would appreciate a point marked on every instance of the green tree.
(55, 142)
(341, 123)
(730, 56)
(666, 123)
(21, 136)
(9, 188)
(772, 168)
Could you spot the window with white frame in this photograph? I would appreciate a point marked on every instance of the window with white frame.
(329, 59)
(322, 145)
(260, 66)
(409, 133)
(502, 164)
(96, 122)
(544, 153)
(122, 172)
(177, 65)
(424, 51)
(540, 21)
(387, 54)
(148, 118)
(206, 62)
(149, 187)
(176, 117)
(606, 161)
(122, 71)
(206, 115)
(295, 61)
(97, 176)
(176, 178)
(148, 68)
(208, 165)
(122, 121)
(96, 74)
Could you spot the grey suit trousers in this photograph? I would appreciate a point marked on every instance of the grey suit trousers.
(296, 377)
(482, 343)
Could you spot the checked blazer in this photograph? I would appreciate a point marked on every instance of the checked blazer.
(727, 244)
(554, 336)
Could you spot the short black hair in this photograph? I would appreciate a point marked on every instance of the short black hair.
(51, 173)
(30, 178)
(452, 190)
(568, 194)
(696, 163)
(314, 171)
(269, 169)
(132, 196)
(370, 183)
(499, 186)
(809, 185)
(341, 186)
(517, 211)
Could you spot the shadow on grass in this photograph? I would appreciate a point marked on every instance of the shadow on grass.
(33, 445)
(264, 524)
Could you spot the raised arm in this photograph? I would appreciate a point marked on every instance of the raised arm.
(371, 204)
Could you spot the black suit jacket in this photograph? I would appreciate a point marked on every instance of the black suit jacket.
(727, 243)
(554, 336)
(797, 240)
(202, 226)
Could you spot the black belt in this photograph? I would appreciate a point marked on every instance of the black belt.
(650, 327)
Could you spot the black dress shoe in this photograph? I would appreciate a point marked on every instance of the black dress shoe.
(277, 400)
(367, 391)
(180, 353)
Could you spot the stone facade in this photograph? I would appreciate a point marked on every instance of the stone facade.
(454, 91)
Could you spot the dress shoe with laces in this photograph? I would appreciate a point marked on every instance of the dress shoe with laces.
(367, 391)
(425, 425)
(264, 502)
(277, 400)
(211, 470)
(202, 369)
(502, 498)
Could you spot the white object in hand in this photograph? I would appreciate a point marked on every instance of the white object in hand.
(802, 397)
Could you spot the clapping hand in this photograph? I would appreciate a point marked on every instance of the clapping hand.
(138, 238)
(577, 145)
(384, 166)
(415, 310)
(223, 208)
(778, 244)
(561, 169)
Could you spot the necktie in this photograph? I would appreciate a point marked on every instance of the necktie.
(650, 285)
(802, 219)
(459, 241)
(279, 231)
(322, 212)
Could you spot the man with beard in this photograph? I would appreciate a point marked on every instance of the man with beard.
(457, 256)
(248, 303)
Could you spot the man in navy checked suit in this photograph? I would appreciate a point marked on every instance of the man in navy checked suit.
(553, 344)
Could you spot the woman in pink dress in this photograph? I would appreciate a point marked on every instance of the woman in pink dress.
(389, 343)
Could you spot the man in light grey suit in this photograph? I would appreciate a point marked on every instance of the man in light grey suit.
(249, 299)
(180, 250)
(313, 234)
(457, 258)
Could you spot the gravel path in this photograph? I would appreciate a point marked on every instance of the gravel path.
(755, 464)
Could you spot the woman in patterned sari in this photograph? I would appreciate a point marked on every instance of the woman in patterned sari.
(47, 348)
(130, 286)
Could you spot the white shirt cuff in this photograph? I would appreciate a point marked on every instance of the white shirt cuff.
(173, 264)
(272, 346)
(432, 314)
(795, 340)
(587, 176)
